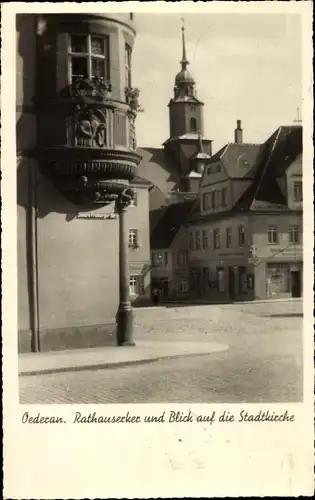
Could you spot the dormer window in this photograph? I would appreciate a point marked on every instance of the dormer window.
(88, 57)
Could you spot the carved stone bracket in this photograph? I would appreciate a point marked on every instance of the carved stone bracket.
(124, 199)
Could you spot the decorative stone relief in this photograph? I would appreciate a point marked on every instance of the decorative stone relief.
(91, 128)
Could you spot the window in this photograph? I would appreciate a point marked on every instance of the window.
(209, 169)
(228, 234)
(191, 241)
(193, 124)
(133, 237)
(183, 286)
(218, 168)
(223, 197)
(272, 236)
(197, 242)
(216, 238)
(206, 200)
(157, 258)
(241, 236)
(212, 201)
(134, 201)
(297, 191)
(294, 234)
(220, 279)
(182, 258)
(131, 17)
(133, 285)
(166, 259)
(127, 66)
(204, 239)
(88, 57)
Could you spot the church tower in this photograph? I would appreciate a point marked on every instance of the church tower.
(186, 120)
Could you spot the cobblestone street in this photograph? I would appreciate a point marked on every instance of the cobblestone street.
(263, 362)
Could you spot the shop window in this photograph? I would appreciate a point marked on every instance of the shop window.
(88, 57)
(242, 276)
(183, 286)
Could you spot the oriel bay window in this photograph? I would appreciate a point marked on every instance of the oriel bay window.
(88, 57)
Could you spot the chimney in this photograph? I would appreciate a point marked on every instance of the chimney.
(238, 133)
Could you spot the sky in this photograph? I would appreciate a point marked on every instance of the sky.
(246, 66)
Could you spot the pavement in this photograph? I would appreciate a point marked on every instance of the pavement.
(111, 357)
(233, 353)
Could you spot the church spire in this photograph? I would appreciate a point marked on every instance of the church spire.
(184, 62)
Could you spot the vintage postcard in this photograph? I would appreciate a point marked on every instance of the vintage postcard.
(157, 178)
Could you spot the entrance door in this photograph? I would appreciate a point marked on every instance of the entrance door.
(164, 288)
(231, 283)
(296, 283)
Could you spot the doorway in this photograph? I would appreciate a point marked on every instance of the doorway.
(231, 283)
(296, 284)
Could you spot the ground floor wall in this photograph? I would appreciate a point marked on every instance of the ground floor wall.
(278, 279)
(68, 275)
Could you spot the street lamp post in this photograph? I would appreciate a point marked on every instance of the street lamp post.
(124, 317)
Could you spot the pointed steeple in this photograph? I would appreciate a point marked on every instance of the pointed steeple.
(184, 62)
(184, 79)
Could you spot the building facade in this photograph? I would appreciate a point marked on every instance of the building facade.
(246, 242)
(77, 171)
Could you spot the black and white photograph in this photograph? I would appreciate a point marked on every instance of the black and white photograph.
(160, 248)
(171, 251)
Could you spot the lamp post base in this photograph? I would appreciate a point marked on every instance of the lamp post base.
(124, 320)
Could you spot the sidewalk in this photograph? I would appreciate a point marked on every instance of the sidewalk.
(111, 357)
(196, 302)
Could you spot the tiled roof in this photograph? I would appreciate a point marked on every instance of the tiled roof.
(272, 159)
(165, 223)
(240, 160)
(156, 169)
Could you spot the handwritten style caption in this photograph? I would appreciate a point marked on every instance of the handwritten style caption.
(171, 416)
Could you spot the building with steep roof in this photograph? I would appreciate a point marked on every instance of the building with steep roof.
(246, 239)
(173, 169)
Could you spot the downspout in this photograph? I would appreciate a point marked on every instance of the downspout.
(32, 260)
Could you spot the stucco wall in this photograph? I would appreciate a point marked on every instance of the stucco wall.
(77, 267)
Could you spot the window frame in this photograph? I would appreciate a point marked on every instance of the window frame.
(205, 239)
(271, 231)
(241, 236)
(135, 279)
(197, 240)
(298, 191)
(182, 257)
(181, 289)
(89, 56)
(216, 238)
(228, 237)
(134, 201)
(133, 237)
(294, 241)
(128, 65)
(193, 120)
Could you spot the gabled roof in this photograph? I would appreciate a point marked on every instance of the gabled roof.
(240, 159)
(165, 223)
(155, 168)
(271, 161)
(189, 136)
